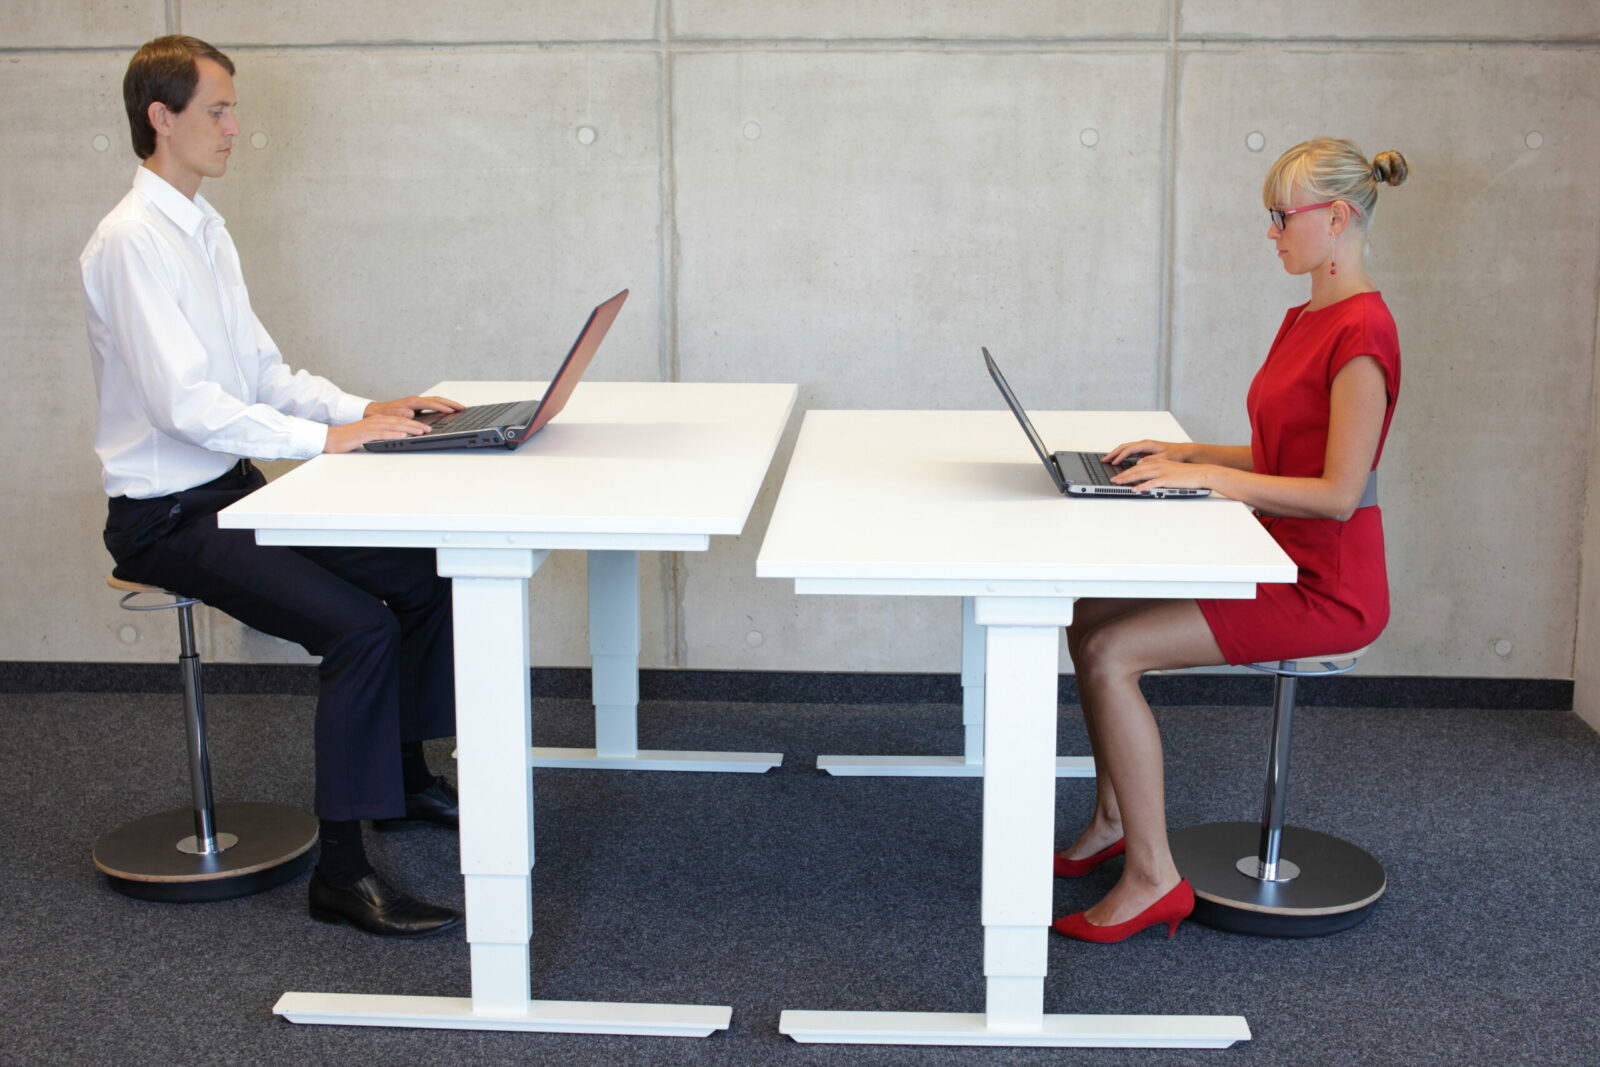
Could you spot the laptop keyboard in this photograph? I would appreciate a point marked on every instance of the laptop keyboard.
(479, 417)
(1100, 472)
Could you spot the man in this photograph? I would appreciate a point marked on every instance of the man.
(191, 389)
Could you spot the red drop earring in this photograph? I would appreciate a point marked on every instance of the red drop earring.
(1333, 262)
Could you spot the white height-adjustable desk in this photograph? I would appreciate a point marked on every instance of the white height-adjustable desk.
(955, 504)
(627, 467)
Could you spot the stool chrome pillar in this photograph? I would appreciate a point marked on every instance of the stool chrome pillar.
(1270, 879)
(206, 851)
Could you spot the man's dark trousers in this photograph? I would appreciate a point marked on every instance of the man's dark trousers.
(380, 618)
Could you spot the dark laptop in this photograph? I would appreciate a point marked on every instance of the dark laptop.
(510, 424)
(1077, 473)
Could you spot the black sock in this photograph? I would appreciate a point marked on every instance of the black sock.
(414, 767)
(343, 860)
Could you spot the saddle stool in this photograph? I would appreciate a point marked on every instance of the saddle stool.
(1265, 878)
(206, 851)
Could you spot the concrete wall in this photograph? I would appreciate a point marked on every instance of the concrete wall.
(853, 197)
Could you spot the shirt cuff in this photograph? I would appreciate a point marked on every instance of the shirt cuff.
(306, 439)
(350, 408)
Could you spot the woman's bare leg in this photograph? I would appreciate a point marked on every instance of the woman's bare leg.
(1111, 659)
(1105, 823)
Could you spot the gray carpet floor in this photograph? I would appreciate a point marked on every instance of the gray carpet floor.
(797, 890)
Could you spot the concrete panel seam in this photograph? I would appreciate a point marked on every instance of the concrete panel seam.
(1110, 46)
(676, 639)
(1106, 46)
(1588, 510)
(668, 359)
(676, 645)
(896, 43)
(1377, 44)
(206, 632)
(1385, 42)
(1169, 151)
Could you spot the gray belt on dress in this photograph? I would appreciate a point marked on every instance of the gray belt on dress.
(1369, 496)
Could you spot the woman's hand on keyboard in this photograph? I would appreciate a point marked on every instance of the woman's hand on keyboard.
(1176, 452)
(1158, 471)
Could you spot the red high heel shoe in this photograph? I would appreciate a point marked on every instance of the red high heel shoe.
(1171, 909)
(1066, 868)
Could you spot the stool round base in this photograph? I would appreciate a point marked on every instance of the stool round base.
(1337, 886)
(142, 859)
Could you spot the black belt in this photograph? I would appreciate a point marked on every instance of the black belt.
(238, 473)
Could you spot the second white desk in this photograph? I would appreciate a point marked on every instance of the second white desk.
(953, 504)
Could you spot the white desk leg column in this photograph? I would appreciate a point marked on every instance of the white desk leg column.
(1023, 642)
(614, 648)
(970, 763)
(972, 684)
(490, 589)
(1018, 820)
(493, 734)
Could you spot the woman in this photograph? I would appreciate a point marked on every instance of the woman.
(1319, 411)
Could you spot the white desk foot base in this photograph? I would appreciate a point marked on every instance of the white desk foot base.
(937, 766)
(1057, 1031)
(646, 759)
(540, 1016)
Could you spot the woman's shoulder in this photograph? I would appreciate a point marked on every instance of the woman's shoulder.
(1374, 319)
(1365, 328)
(1361, 319)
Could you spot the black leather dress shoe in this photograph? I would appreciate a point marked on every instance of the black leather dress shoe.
(378, 908)
(434, 806)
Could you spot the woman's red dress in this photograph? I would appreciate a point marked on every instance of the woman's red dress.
(1341, 600)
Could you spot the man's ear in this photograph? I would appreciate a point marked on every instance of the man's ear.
(160, 117)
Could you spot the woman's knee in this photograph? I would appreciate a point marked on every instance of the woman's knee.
(1086, 620)
(1106, 652)
(1093, 614)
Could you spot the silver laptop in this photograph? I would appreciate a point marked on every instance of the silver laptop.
(1077, 473)
(508, 425)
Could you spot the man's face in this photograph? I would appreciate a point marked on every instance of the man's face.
(199, 139)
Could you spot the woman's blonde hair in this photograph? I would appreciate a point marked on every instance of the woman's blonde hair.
(1329, 169)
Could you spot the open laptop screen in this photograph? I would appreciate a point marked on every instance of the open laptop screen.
(572, 368)
(1022, 417)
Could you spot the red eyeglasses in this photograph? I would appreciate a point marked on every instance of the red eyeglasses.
(1280, 215)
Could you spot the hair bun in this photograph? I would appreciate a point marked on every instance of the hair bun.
(1389, 167)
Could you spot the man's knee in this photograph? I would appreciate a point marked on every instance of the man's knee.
(377, 626)
(370, 632)
(419, 589)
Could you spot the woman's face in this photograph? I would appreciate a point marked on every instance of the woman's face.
(1304, 242)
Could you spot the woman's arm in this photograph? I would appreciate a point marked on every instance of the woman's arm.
(1184, 452)
(1236, 456)
(1357, 403)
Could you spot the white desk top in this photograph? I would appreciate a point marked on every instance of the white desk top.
(875, 497)
(623, 458)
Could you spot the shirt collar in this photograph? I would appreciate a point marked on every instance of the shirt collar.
(190, 215)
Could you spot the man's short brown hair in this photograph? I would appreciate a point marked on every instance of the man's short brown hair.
(164, 71)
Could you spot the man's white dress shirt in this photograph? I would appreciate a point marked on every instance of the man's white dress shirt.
(189, 379)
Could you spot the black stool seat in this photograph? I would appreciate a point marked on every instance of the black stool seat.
(1275, 880)
(207, 851)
